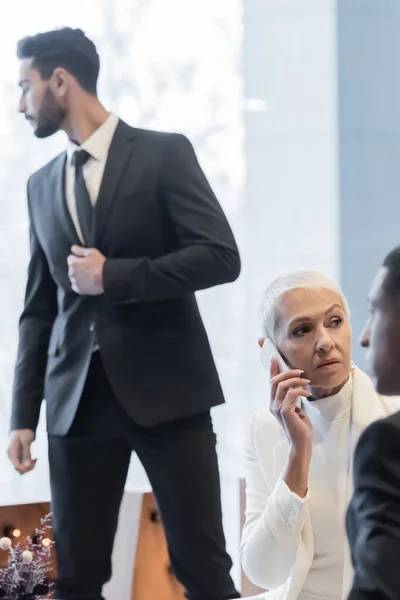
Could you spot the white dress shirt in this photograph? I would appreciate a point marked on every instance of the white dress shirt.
(97, 145)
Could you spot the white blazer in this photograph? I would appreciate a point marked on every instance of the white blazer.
(277, 546)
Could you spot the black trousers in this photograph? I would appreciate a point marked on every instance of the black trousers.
(88, 469)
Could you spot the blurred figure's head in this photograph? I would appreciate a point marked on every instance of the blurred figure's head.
(381, 335)
(306, 315)
(58, 69)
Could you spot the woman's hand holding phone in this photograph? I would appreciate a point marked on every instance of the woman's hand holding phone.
(286, 388)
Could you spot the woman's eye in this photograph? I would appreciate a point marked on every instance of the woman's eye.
(300, 331)
(336, 322)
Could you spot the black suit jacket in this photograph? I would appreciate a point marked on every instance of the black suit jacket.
(373, 517)
(164, 236)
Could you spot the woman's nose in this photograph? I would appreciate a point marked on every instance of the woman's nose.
(325, 342)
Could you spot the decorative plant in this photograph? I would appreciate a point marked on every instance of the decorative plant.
(25, 577)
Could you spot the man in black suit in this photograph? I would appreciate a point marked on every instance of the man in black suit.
(124, 229)
(373, 518)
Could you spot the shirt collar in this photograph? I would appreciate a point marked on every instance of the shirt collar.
(98, 144)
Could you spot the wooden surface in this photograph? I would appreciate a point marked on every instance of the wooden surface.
(152, 576)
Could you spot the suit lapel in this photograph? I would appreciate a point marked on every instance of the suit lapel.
(118, 156)
(58, 200)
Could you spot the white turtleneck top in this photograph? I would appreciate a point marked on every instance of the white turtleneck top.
(329, 478)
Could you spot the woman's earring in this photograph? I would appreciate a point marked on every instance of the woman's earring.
(353, 366)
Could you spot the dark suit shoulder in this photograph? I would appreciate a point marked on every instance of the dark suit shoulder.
(166, 147)
(158, 135)
(380, 439)
(384, 428)
(44, 171)
(161, 138)
(392, 420)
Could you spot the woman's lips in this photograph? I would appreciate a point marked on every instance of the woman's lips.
(328, 364)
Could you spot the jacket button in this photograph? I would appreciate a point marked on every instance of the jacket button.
(91, 327)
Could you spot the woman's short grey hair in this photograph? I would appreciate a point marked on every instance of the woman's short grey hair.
(286, 283)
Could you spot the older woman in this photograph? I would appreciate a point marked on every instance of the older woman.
(299, 458)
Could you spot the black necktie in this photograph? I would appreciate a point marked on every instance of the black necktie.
(83, 204)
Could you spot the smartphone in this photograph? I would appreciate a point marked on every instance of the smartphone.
(269, 351)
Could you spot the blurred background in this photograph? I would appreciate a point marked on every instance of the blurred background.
(293, 109)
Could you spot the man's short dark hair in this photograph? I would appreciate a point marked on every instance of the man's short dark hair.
(391, 283)
(67, 48)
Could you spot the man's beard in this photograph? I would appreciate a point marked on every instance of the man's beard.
(49, 118)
